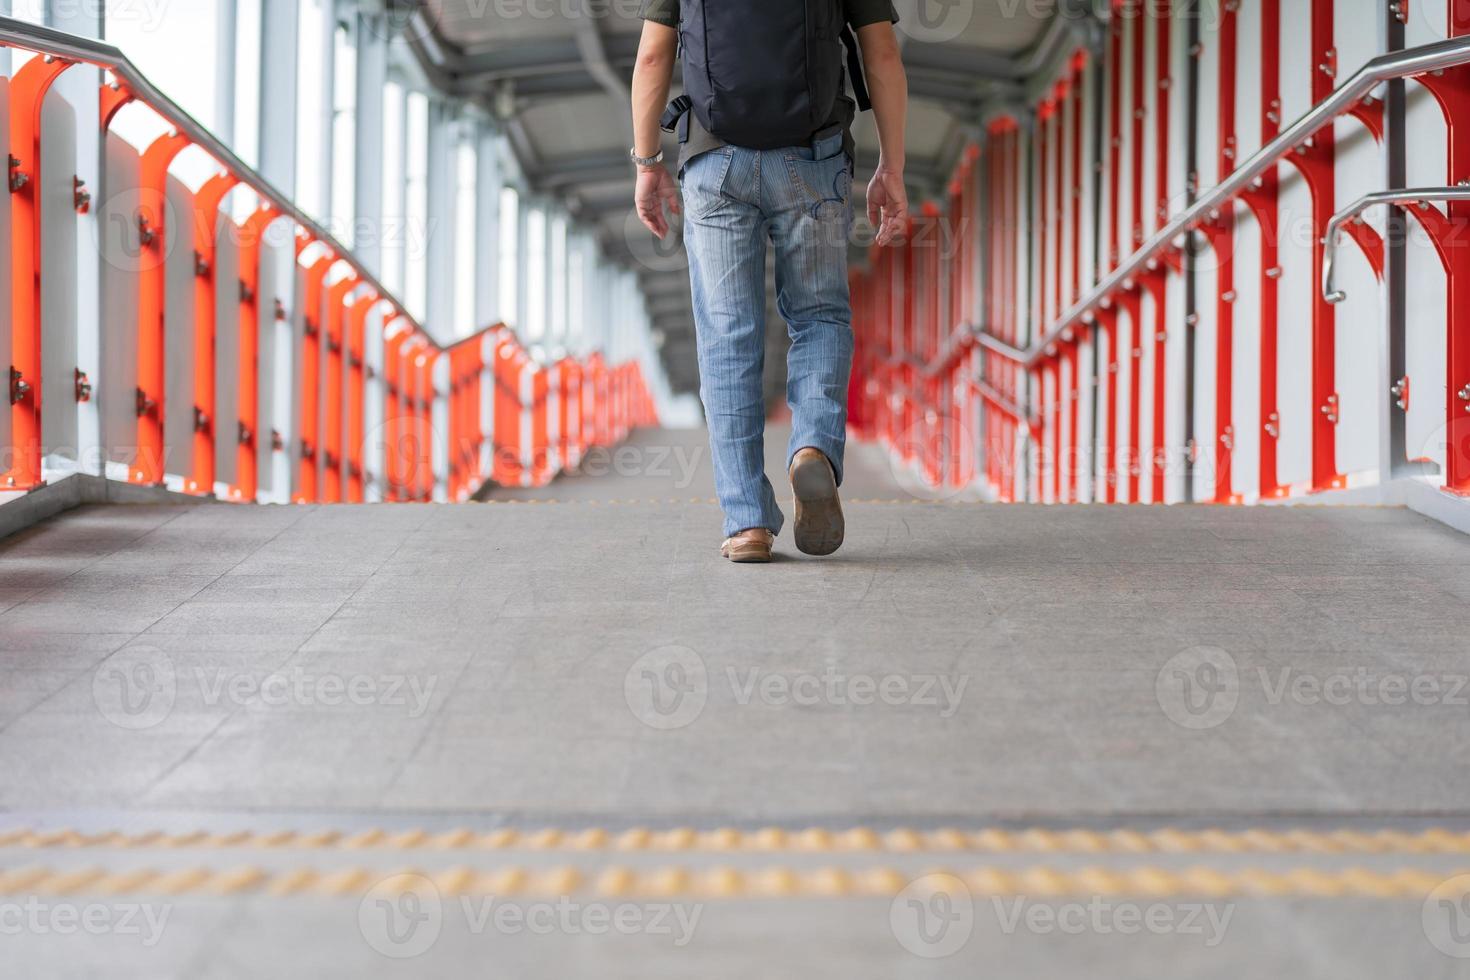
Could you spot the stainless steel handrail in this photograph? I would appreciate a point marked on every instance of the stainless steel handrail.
(47, 41)
(1398, 64)
(995, 345)
(1409, 195)
(964, 334)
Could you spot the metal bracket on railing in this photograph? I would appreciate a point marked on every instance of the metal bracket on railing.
(247, 295)
(1413, 195)
(201, 420)
(201, 267)
(81, 199)
(1332, 408)
(1400, 392)
(142, 404)
(83, 386)
(19, 387)
(18, 177)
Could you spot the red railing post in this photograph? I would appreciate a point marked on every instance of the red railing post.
(206, 291)
(153, 238)
(27, 94)
(357, 395)
(248, 436)
(1451, 90)
(309, 434)
(332, 440)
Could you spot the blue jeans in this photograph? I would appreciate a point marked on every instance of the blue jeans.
(734, 199)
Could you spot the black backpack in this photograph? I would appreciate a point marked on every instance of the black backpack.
(764, 74)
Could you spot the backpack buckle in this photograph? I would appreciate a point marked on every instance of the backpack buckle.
(675, 113)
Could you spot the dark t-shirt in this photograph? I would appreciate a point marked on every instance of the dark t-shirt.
(858, 13)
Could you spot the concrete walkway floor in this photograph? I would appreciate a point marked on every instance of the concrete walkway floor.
(579, 657)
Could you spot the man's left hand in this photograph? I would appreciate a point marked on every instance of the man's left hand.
(656, 190)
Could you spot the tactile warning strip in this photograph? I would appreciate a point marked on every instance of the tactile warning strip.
(775, 882)
(813, 840)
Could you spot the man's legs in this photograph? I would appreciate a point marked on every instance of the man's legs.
(808, 196)
(724, 233)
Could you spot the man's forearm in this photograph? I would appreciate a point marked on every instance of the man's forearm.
(888, 87)
(653, 74)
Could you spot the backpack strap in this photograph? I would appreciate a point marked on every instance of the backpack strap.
(855, 70)
(676, 116)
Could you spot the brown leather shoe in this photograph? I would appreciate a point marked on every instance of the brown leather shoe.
(749, 546)
(819, 524)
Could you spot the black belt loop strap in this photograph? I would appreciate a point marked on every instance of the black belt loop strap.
(855, 70)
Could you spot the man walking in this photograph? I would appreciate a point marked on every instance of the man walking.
(765, 152)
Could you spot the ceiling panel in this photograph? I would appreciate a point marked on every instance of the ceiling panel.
(476, 24)
(566, 126)
(1006, 26)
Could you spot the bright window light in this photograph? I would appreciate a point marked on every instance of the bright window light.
(247, 81)
(535, 273)
(416, 279)
(465, 257)
(559, 277)
(510, 233)
(310, 101)
(344, 136)
(395, 217)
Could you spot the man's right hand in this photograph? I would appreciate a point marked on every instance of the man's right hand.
(888, 205)
(656, 190)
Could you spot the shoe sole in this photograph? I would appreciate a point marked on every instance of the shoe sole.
(819, 523)
(748, 556)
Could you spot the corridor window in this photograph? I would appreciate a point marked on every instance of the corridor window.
(31, 10)
(558, 312)
(535, 273)
(416, 284)
(576, 295)
(510, 233)
(344, 135)
(311, 102)
(466, 165)
(394, 233)
(175, 50)
(246, 143)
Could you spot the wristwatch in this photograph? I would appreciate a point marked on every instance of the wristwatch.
(652, 161)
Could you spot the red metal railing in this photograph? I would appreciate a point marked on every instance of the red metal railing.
(365, 378)
(1117, 287)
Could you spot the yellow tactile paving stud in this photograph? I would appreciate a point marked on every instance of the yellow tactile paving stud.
(776, 839)
(682, 883)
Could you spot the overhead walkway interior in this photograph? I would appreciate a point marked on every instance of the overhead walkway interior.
(360, 605)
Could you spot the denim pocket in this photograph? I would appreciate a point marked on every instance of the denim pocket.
(703, 181)
(825, 184)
